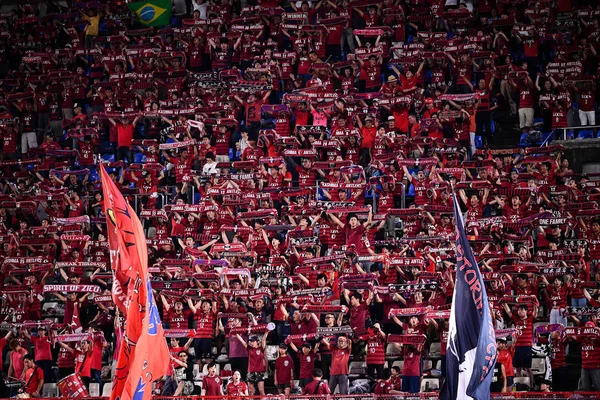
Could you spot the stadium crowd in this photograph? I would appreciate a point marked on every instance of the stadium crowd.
(293, 166)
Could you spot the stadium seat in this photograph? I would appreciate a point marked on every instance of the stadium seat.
(107, 389)
(51, 390)
(430, 384)
(357, 369)
(538, 366)
(399, 364)
(139, 158)
(435, 350)
(427, 364)
(391, 352)
(585, 134)
(226, 371)
(94, 389)
(108, 157)
(478, 142)
(272, 352)
(523, 380)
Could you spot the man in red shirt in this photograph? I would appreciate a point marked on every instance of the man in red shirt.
(523, 323)
(317, 386)
(125, 131)
(34, 377)
(340, 355)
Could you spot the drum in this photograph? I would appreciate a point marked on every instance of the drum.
(72, 387)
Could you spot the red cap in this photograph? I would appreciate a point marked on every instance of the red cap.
(590, 324)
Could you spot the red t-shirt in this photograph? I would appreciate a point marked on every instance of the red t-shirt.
(283, 369)
(339, 361)
(212, 385)
(97, 354)
(307, 363)
(412, 363)
(256, 359)
(125, 134)
(317, 387)
(42, 348)
(83, 363)
(33, 376)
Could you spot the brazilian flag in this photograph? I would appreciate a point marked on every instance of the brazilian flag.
(152, 12)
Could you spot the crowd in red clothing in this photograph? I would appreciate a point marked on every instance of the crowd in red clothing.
(293, 165)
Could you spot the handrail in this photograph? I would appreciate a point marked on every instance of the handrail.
(569, 128)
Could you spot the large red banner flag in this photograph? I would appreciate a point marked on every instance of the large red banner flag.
(144, 355)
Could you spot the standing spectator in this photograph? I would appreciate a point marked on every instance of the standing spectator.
(42, 351)
(16, 367)
(125, 131)
(340, 356)
(284, 371)
(257, 363)
(523, 323)
(211, 384)
(83, 360)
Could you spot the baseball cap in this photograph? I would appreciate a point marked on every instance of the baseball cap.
(76, 105)
(392, 78)
(391, 118)
(283, 346)
(368, 118)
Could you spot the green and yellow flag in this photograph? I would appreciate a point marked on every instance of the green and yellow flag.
(152, 12)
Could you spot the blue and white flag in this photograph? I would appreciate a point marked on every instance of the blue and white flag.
(471, 352)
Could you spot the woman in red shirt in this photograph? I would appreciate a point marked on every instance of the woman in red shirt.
(257, 365)
(236, 387)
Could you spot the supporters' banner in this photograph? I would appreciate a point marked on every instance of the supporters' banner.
(71, 337)
(502, 333)
(413, 287)
(71, 289)
(177, 145)
(581, 331)
(407, 339)
(84, 219)
(581, 311)
(336, 330)
(405, 312)
(180, 333)
(262, 328)
(143, 350)
(471, 351)
(316, 309)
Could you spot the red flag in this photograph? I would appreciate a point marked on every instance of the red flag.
(144, 355)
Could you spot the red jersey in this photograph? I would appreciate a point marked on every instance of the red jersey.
(376, 350)
(524, 330)
(205, 324)
(179, 321)
(237, 390)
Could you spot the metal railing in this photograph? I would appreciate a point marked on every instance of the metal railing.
(554, 135)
